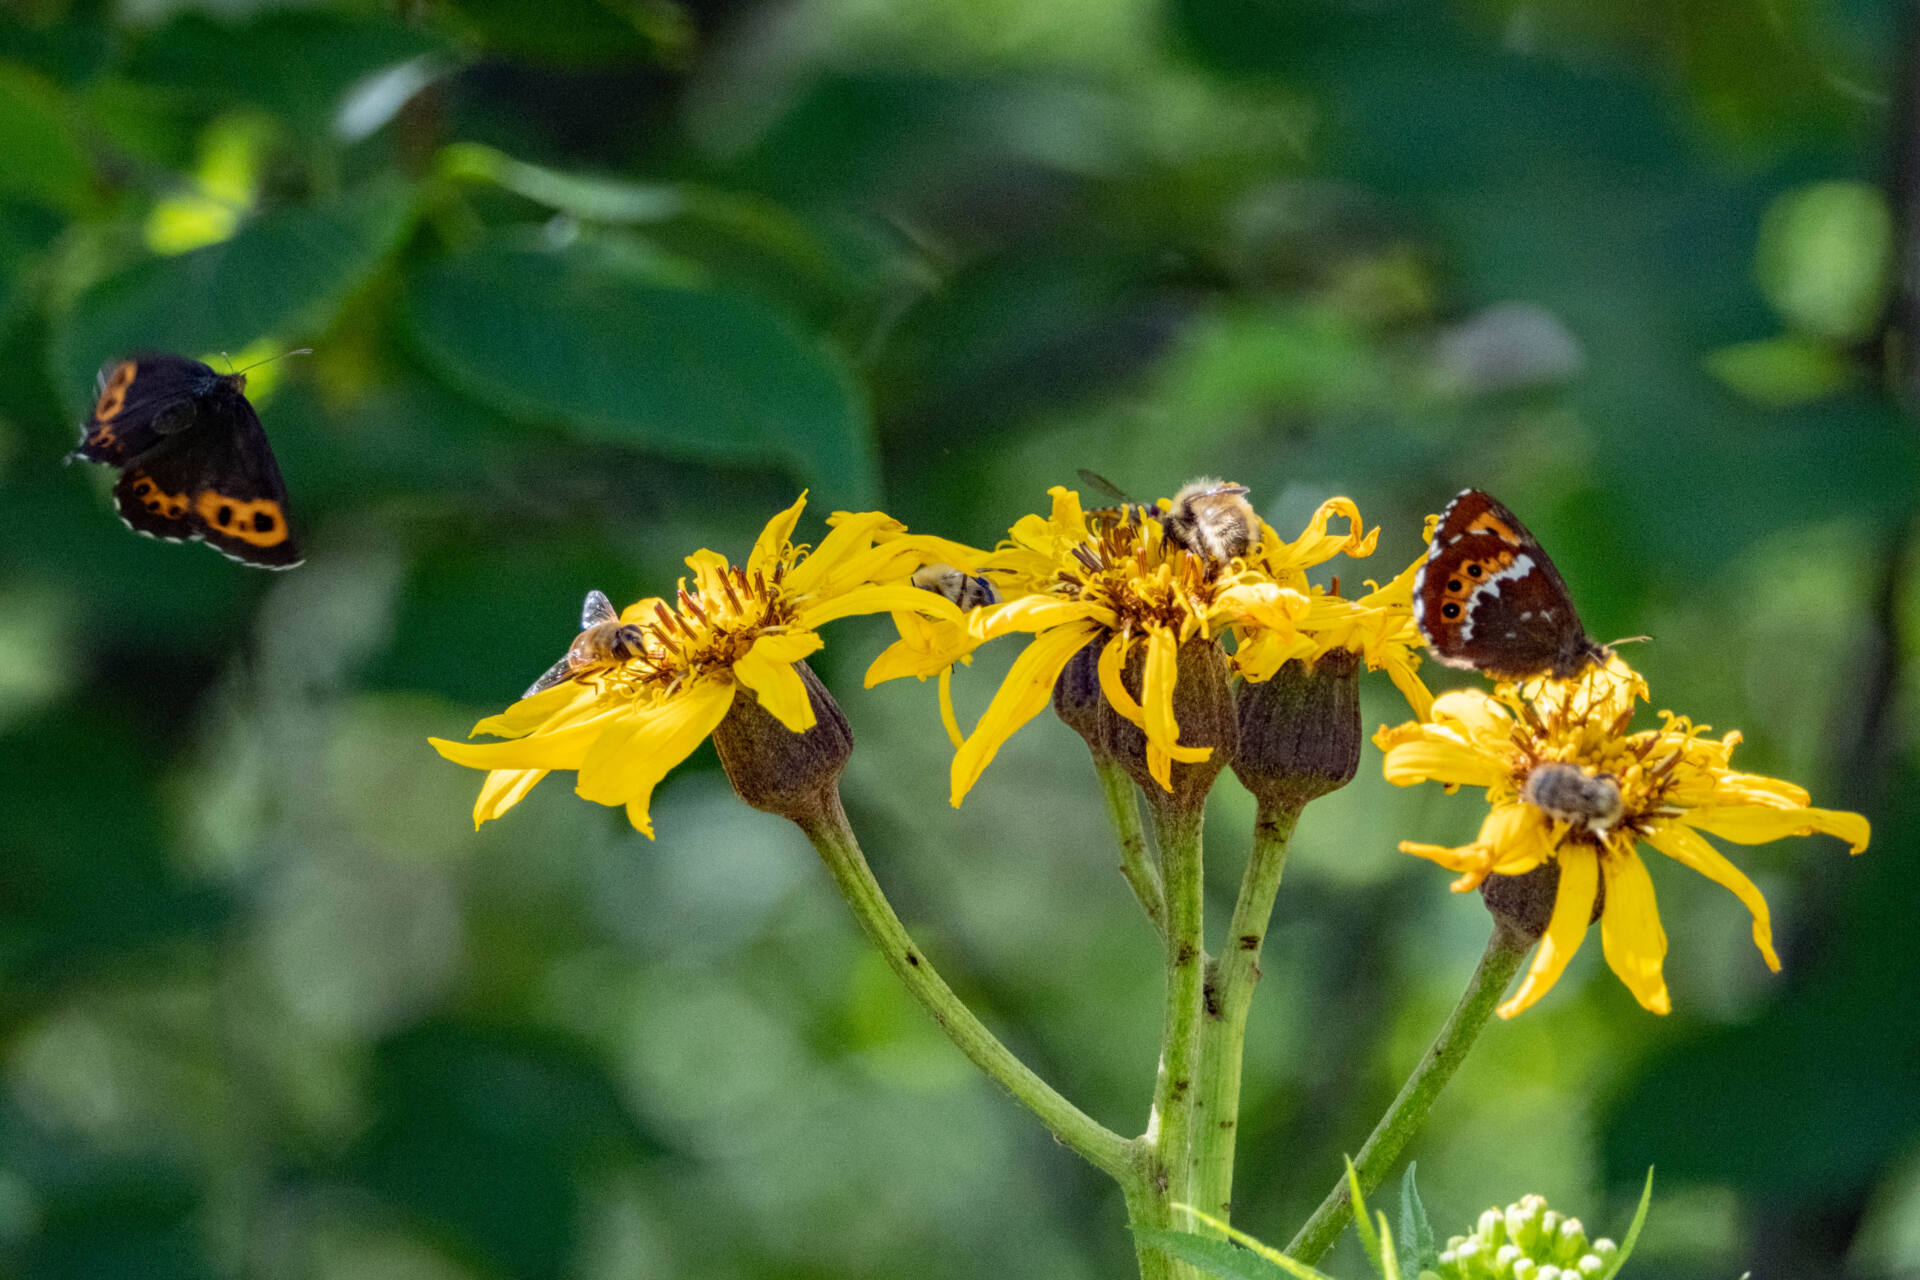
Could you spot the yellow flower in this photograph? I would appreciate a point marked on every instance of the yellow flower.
(1567, 783)
(624, 726)
(1074, 578)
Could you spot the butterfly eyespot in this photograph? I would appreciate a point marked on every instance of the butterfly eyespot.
(1473, 571)
(262, 522)
(1454, 584)
(225, 516)
(1450, 610)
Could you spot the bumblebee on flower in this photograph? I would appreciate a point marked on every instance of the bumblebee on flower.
(624, 725)
(1571, 789)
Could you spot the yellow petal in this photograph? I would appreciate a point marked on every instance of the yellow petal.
(625, 766)
(871, 599)
(947, 716)
(1315, 545)
(503, 789)
(559, 749)
(643, 611)
(1691, 849)
(767, 669)
(1478, 716)
(771, 546)
(1027, 689)
(851, 536)
(1028, 613)
(709, 567)
(1630, 932)
(1113, 660)
(546, 709)
(1411, 686)
(1750, 824)
(1440, 756)
(1068, 518)
(1572, 906)
(1517, 836)
(1160, 674)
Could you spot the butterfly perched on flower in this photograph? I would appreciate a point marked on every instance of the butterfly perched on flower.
(1488, 598)
(193, 458)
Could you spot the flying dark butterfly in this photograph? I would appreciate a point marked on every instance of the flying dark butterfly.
(193, 458)
(1489, 599)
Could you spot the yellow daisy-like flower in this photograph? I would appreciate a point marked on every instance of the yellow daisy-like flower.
(623, 726)
(1567, 783)
(1076, 577)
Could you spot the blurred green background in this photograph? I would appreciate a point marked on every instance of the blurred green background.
(592, 283)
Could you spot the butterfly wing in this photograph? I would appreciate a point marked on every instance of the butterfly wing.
(138, 403)
(217, 481)
(1488, 597)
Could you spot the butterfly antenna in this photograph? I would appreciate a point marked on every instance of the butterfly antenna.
(1627, 640)
(297, 351)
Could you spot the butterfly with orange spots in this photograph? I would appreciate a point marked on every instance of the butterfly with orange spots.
(193, 458)
(1490, 600)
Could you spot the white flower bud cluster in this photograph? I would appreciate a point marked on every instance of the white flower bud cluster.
(1524, 1241)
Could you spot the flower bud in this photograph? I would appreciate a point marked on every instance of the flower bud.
(1524, 903)
(1300, 730)
(1077, 696)
(776, 770)
(1202, 707)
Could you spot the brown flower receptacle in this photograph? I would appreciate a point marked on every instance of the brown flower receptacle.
(774, 769)
(1077, 698)
(1300, 731)
(1524, 902)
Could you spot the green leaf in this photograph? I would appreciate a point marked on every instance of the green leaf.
(1220, 1258)
(1782, 372)
(44, 160)
(1418, 1250)
(1825, 258)
(283, 273)
(1370, 1238)
(1633, 1231)
(578, 339)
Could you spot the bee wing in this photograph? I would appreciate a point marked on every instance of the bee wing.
(596, 609)
(1093, 479)
(559, 673)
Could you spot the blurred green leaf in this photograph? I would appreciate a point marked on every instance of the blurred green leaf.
(568, 338)
(284, 273)
(582, 32)
(43, 157)
(299, 65)
(1784, 371)
(1825, 258)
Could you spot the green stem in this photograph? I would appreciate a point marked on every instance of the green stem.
(1229, 997)
(1136, 864)
(834, 839)
(1169, 1136)
(1505, 950)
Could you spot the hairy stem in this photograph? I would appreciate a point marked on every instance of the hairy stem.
(1169, 1138)
(1229, 996)
(1443, 1057)
(1098, 1145)
(1136, 864)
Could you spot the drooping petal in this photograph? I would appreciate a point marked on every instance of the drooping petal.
(1030, 613)
(1113, 661)
(767, 669)
(1315, 545)
(624, 769)
(1160, 673)
(949, 720)
(1749, 824)
(1630, 932)
(1026, 691)
(871, 599)
(771, 546)
(1412, 687)
(1572, 906)
(503, 789)
(1691, 849)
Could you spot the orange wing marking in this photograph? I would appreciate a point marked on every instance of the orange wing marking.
(260, 522)
(1469, 576)
(113, 396)
(153, 498)
(1487, 522)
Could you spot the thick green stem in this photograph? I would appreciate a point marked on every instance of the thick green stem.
(1169, 1135)
(1228, 998)
(1100, 1146)
(1505, 950)
(1136, 864)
